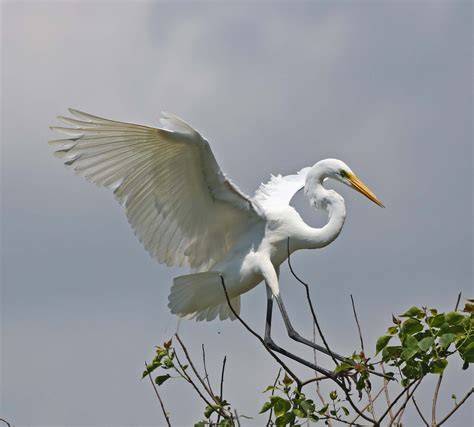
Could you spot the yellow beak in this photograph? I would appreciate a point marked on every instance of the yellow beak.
(358, 185)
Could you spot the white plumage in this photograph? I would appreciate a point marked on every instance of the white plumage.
(186, 212)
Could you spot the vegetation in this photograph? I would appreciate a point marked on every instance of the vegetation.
(419, 343)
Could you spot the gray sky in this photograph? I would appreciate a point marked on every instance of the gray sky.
(384, 86)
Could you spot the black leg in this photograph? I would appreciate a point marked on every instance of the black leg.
(297, 337)
(272, 346)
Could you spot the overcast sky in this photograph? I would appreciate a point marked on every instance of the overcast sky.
(384, 86)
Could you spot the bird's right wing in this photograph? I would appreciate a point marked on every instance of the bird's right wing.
(280, 189)
(178, 201)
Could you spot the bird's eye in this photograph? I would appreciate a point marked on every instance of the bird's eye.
(343, 173)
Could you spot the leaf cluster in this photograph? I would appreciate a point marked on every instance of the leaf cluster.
(422, 339)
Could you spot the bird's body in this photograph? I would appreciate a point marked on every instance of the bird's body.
(186, 212)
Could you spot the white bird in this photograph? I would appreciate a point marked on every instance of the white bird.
(186, 212)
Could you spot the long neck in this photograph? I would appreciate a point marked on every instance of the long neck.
(328, 200)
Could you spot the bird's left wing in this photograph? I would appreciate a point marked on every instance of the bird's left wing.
(280, 189)
(178, 201)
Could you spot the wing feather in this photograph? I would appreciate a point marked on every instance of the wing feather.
(179, 203)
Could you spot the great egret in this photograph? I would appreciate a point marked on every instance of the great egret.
(186, 212)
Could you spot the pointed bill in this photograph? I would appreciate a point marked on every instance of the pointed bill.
(358, 185)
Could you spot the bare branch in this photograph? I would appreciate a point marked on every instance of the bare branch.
(358, 324)
(456, 407)
(5, 421)
(419, 412)
(198, 376)
(190, 381)
(400, 395)
(457, 301)
(157, 395)
(367, 406)
(387, 395)
(205, 369)
(435, 400)
(221, 390)
(269, 422)
(409, 395)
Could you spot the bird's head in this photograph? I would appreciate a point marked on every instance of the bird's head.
(338, 170)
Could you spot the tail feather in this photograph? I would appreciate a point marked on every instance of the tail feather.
(200, 296)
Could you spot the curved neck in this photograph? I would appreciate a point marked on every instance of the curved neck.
(328, 200)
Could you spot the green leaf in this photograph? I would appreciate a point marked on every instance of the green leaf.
(160, 379)
(299, 413)
(307, 406)
(209, 411)
(426, 343)
(393, 352)
(382, 343)
(468, 353)
(439, 366)
(324, 409)
(344, 366)
(345, 410)
(436, 321)
(285, 419)
(280, 405)
(266, 406)
(446, 339)
(313, 418)
(411, 326)
(410, 347)
(392, 330)
(200, 424)
(333, 395)
(453, 318)
(412, 312)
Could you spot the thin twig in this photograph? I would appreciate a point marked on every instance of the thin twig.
(221, 390)
(387, 396)
(190, 381)
(457, 301)
(318, 386)
(157, 395)
(409, 395)
(358, 324)
(237, 417)
(435, 400)
(188, 358)
(310, 302)
(456, 407)
(269, 422)
(395, 401)
(205, 369)
(368, 405)
(359, 330)
(419, 411)
(5, 421)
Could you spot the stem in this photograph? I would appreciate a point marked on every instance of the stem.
(409, 395)
(419, 412)
(456, 407)
(273, 392)
(205, 368)
(157, 395)
(387, 396)
(395, 401)
(221, 391)
(435, 400)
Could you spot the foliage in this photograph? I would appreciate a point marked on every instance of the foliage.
(421, 340)
(418, 343)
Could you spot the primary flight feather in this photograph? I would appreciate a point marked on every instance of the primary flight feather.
(186, 212)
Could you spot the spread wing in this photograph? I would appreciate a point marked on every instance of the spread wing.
(179, 203)
(280, 190)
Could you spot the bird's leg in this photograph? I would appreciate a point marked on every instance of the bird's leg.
(272, 346)
(297, 337)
